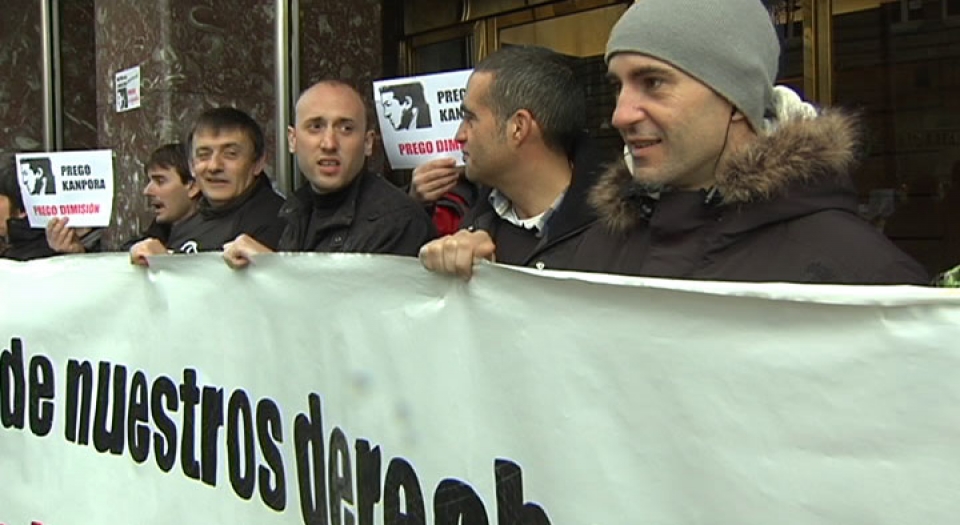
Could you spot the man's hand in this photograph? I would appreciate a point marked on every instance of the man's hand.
(456, 254)
(434, 178)
(239, 253)
(62, 239)
(145, 248)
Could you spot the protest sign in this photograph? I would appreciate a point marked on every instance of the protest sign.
(419, 117)
(73, 184)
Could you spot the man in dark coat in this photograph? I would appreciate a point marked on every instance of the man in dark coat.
(344, 208)
(782, 209)
(227, 155)
(171, 191)
(522, 140)
(726, 177)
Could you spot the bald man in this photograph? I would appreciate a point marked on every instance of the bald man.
(344, 208)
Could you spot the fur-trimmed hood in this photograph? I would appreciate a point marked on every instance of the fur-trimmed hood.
(811, 156)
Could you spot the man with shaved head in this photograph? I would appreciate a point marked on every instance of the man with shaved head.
(344, 208)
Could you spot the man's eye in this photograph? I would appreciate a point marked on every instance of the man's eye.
(653, 82)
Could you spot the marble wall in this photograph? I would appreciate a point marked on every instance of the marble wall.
(340, 40)
(21, 97)
(78, 60)
(344, 41)
(21, 94)
(192, 56)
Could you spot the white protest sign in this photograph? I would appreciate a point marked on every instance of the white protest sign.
(128, 89)
(419, 117)
(318, 388)
(73, 184)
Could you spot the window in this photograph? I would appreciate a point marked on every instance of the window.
(904, 83)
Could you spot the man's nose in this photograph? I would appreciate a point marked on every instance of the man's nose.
(329, 139)
(215, 162)
(628, 112)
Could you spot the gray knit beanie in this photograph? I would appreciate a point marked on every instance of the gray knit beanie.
(729, 45)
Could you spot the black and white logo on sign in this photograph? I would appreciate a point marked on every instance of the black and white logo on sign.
(36, 176)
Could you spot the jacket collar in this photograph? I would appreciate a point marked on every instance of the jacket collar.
(574, 212)
(208, 211)
(301, 206)
(807, 160)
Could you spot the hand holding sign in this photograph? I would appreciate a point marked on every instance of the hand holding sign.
(434, 178)
(63, 239)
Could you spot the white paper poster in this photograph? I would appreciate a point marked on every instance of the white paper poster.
(419, 117)
(73, 184)
(128, 89)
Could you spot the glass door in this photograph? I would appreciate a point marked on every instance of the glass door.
(897, 62)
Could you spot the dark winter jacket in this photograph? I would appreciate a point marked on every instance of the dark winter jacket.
(254, 213)
(373, 217)
(555, 248)
(783, 209)
(26, 243)
(156, 230)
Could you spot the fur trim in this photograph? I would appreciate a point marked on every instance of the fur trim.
(800, 151)
(804, 151)
(615, 198)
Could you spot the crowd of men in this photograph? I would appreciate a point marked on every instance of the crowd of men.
(724, 176)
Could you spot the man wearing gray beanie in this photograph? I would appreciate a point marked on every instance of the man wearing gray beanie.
(724, 176)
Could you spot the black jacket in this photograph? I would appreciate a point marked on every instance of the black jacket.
(374, 217)
(254, 213)
(26, 243)
(156, 230)
(565, 226)
(783, 209)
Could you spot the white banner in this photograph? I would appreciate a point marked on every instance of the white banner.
(419, 117)
(77, 185)
(342, 389)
